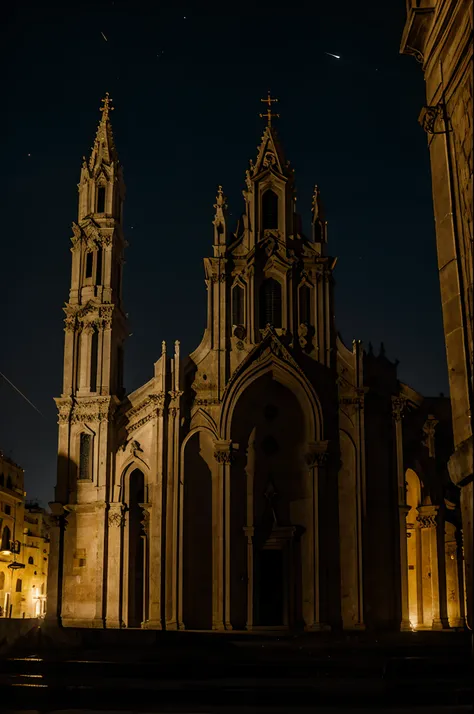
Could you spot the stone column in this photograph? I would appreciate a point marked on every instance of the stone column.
(55, 565)
(224, 454)
(398, 406)
(428, 520)
(452, 577)
(249, 528)
(316, 458)
(145, 523)
(115, 526)
(174, 510)
(154, 621)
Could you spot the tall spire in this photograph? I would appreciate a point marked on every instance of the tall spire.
(318, 222)
(220, 218)
(104, 150)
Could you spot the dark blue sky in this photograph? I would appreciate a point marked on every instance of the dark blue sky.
(186, 86)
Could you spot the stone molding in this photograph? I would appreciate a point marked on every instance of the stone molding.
(153, 404)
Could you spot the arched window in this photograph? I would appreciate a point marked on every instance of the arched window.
(2, 580)
(31, 561)
(270, 303)
(98, 272)
(101, 199)
(305, 304)
(89, 265)
(6, 539)
(94, 359)
(85, 456)
(238, 305)
(269, 210)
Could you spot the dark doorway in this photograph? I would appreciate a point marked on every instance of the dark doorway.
(197, 533)
(136, 550)
(270, 582)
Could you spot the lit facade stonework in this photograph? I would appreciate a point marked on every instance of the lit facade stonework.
(24, 547)
(438, 33)
(260, 482)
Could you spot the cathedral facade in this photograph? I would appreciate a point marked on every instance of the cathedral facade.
(273, 478)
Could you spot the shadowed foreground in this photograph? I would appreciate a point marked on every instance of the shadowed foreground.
(135, 670)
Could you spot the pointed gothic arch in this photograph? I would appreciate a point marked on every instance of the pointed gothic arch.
(283, 371)
(135, 548)
(270, 303)
(270, 209)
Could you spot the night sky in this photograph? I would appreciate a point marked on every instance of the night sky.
(187, 85)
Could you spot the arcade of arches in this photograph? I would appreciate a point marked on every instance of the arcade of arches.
(273, 478)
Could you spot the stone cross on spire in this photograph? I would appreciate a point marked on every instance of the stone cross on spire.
(106, 106)
(268, 114)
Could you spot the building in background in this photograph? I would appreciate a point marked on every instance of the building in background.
(438, 33)
(24, 547)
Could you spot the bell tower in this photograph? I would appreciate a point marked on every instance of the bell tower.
(95, 323)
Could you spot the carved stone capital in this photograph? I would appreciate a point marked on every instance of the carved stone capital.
(427, 516)
(224, 452)
(398, 407)
(116, 515)
(64, 405)
(317, 454)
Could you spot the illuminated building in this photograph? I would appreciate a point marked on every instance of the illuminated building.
(261, 482)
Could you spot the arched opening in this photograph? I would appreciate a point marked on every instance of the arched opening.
(270, 303)
(94, 359)
(305, 305)
(89, 265)
(238, 305)
(269, 508)
(197, 532)
(6, 539)
(98, 271)
(85, 456)
(269, 210)
(101, 199)
(136, 549)
(415, 594)
(31, 561)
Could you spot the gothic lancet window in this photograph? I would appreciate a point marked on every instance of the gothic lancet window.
(270, 303)
(305, 304)
(6, 538)
(85, 456)
(94, 359)
(269, 210)
(89, 265)
(98, 272)
(238, 306)
(101, 199)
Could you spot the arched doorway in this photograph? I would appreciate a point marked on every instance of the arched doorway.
(415, 595)
(136, 550)
(197, 532)
(270, 507)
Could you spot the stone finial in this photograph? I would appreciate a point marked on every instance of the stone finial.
(220, 217)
